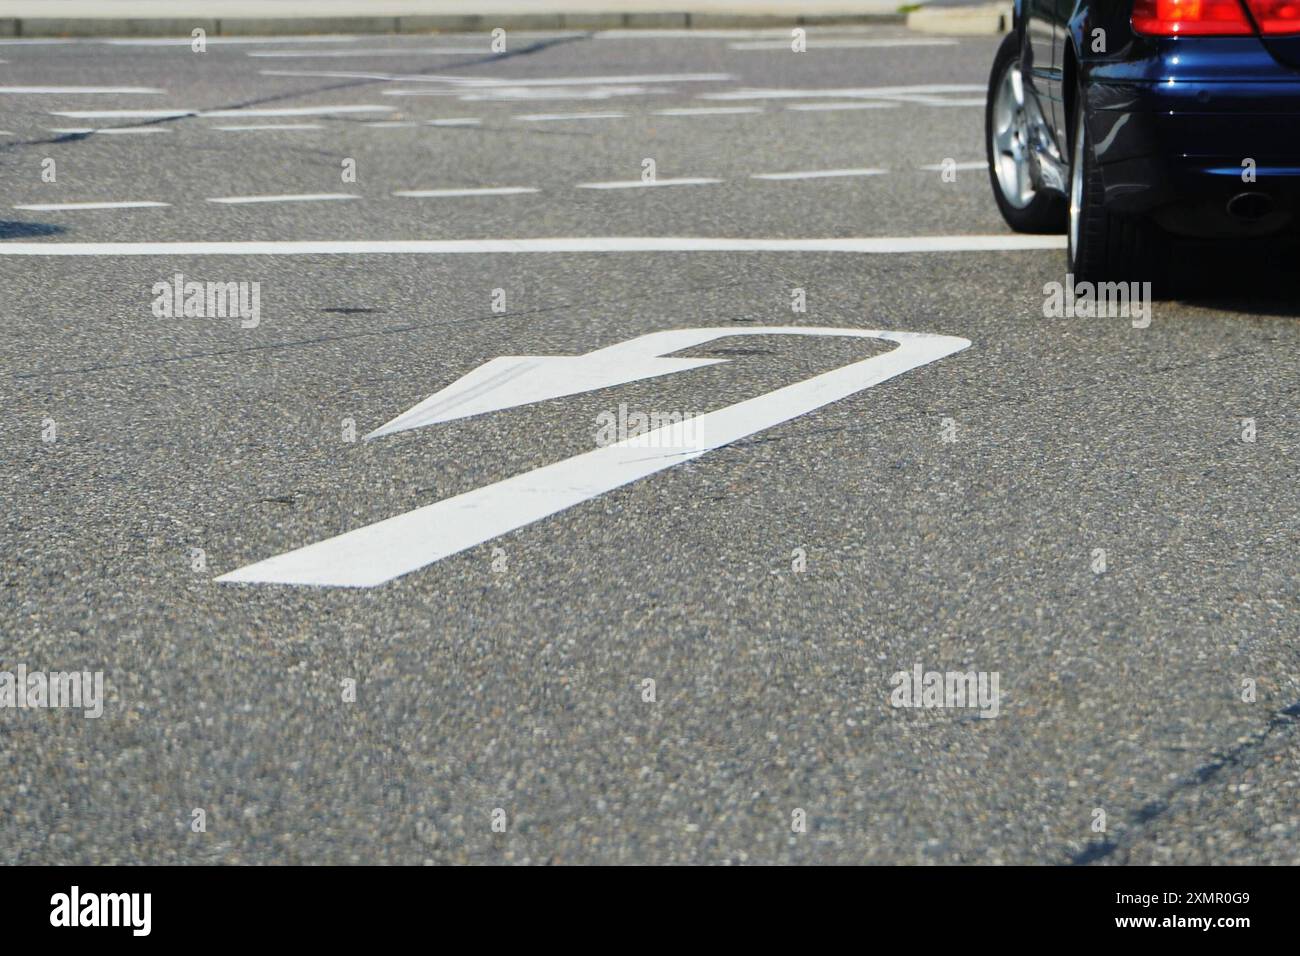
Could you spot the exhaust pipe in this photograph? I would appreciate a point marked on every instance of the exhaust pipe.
(1250, 207)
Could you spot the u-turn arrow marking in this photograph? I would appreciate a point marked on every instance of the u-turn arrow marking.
(388, 549)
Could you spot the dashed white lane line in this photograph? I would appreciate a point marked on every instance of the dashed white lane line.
(220, 41)
(857, 92)
(943, 101)
(391, 124)
(79, 90)
(939, 167)
(260, 127)
(430, 51)
(425, 92)
(446, 193)
(457, 121)
(123, 114)
(1012, 242)
(821, 174)
(558, 117)
(858, 105)
(298, 197)
(844, 44)
(222, 114)
(618, 80)
(709, 111)
(58, 206)
(129, 131)
(642, 183)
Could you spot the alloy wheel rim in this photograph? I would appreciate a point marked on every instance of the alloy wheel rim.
(1010, 139)
(1076, 185)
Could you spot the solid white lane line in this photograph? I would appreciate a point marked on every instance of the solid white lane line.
(555, 117)
(939, 167)
(78, 90)
(484, 191)
(57, 206)
(866, 105)
(821, 174)
(590, 244)
(457, 121)
(298, 197)
(640, 183)
(379, 552)
(841, 44)
(708, 111)
(267, 126)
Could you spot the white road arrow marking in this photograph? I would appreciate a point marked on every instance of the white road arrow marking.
(513, 380)
(380, 552)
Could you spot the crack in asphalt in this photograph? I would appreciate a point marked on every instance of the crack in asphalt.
(1151, 812)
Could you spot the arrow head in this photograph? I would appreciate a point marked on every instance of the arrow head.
(513, 380)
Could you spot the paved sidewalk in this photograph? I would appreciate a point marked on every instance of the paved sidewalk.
(232, 17)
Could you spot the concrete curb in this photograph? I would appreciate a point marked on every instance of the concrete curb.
(444, 23)
(984, 20)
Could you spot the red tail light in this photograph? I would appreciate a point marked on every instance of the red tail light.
(1172, 18)
(1276, 16)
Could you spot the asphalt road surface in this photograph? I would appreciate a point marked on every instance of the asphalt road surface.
(1101, 517)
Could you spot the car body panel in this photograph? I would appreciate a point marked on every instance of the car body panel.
(1174, 121)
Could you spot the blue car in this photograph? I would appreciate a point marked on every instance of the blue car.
(1128, 124)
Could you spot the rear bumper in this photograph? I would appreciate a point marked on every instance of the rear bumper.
(1174, 136)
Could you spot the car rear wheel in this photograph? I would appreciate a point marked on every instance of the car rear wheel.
(1104, 247)
(1008, 138)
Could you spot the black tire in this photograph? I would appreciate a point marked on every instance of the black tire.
(1046, 212)
(1104, 247)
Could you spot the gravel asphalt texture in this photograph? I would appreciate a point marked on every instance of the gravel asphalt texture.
(521, 688)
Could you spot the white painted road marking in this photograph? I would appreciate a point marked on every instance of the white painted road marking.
(820, 107)
(556, 117)
(111, 131)
(301, 54)
(1010, 242)
(484, 191)
(709, 111)
(57, 206)
(639, 183)
(858, 92)
(260, 127)
(514, 380)
(300, 197)
(388, 549)
(78, 90)
(821, 174)
(974, 164)
(221, 114)
(841, 44)
(457, 121)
